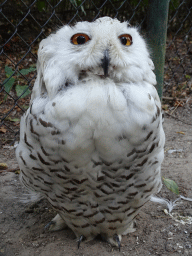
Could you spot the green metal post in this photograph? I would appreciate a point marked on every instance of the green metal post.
(157, 31)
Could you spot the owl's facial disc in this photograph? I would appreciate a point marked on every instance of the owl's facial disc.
(105, 62)
(101, 61)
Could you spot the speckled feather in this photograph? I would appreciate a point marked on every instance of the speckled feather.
(93, 145)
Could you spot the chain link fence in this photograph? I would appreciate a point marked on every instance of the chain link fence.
(23, 24)
(178, 58)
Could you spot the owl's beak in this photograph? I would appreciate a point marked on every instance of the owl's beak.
(105, 62)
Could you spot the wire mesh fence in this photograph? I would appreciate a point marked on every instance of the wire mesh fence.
(178, 63)
(31, 21)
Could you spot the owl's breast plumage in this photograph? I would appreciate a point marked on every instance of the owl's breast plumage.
(95, 151)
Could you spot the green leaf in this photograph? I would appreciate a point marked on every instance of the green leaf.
(187, 76)
(13, 119)
(83, 10)
(74, 2)
(78, 3)
(171, 185)
(22, 88)
(27, 71)
(174, 4)
(33, 65)
(8, 86)
(25, 107)
(8, 71)
(41, 5)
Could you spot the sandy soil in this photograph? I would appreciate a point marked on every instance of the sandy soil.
(22, 225)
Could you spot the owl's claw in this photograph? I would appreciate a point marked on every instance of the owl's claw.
(116, 238)
(48, 225)
(80, 240)
(57, 223)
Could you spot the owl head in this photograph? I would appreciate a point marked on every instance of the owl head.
(103, 49)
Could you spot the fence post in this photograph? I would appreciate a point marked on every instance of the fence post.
(157, 31)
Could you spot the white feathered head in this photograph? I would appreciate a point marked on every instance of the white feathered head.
(104, 49)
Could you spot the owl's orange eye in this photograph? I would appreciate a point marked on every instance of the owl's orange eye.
(80, 38)
(126, 39)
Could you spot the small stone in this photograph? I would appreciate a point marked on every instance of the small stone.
(9, 241)
(35, 244)
(188, 212)
(169, 247)
(42, 235)
(186, 253)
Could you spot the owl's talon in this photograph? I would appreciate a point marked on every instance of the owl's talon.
(116, 237)
(48, 225)
(79, 241)
(57, 223)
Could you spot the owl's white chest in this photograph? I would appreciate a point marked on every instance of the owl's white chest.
(94, 147)
(98, 117)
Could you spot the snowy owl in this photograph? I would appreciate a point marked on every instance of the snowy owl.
(92, 140)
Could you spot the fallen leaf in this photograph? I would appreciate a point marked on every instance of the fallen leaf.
(181, 133)
(3, 166)
(165, 106)
(13, 119)
(3, 130)
(4, 110)
(171, 185)
(178, 103)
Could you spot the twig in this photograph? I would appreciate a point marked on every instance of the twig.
(177, 118)
(173, 98)
(175, 109)
(10, 170)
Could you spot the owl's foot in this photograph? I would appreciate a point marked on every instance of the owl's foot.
(57, 223)
(131, 228)
(114, 241)
(79, 241)
(116, 237)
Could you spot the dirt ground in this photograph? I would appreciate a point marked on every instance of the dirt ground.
(22, 225)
